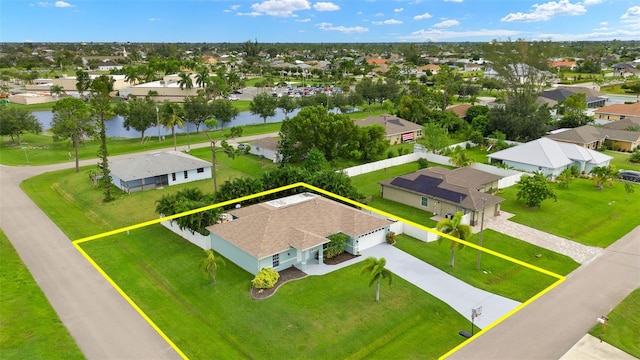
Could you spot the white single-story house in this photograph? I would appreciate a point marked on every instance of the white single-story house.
(550, 157)
(445, 192)
(266, 148)
(292, 231)
(154, 170)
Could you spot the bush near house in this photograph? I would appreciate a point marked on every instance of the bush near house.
(265, 279)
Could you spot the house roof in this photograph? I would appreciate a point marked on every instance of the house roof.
(301, 221)
(620, 109)
(155, 164)
(392, 124)
(377, 61)
(568, 64)
(623, 124)
(562, 93)
(459, 186)
(460, 109)
(581, 135)
(269, 143)
(548, 153)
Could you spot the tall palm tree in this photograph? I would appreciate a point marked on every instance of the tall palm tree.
(460, 159)
(132, 75)
(602, 175)
(185, 81)
(455, 228)
(170, 118)
(203, 79)
(376, 267)
(211, 264)
(56, 90)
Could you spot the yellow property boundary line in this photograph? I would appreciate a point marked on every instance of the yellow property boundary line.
(77, 243)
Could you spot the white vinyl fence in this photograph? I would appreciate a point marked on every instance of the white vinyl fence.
(203, 242)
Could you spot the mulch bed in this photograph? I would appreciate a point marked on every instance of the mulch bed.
(294, 273)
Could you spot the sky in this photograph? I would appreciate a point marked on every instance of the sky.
(304, 21)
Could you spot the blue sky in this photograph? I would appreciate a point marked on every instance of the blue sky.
(317, 21)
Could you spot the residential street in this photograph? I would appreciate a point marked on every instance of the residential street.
(105, 326)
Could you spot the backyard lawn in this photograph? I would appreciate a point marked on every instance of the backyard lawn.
(622, 326)
(29, 327)
(330, 316)
(582, 213)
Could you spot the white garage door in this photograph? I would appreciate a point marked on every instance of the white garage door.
(370, 240)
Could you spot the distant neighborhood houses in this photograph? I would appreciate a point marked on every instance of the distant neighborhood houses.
(156, 170)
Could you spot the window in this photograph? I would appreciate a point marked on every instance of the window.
(622, 117)
(200, 170)
(423, 201)
(276, 260)
(186, 174)
(173, 176)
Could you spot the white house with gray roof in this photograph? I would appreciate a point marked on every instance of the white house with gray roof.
(550, 157)
(154, 170)
(292, 231)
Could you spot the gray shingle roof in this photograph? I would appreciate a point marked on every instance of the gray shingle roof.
(155, 164)
(392, 124)
(263, 230)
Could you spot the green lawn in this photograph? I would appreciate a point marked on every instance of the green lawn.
(496, 275)
(621, 160)
(332, 316)
(592, 217)
(622, 327)
(29, 327)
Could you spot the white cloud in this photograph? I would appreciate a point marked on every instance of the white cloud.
(604, 23)
(437, 35)
(633, 13)
(422, 17)
(546, 11)
(446, 24)
(343, 29)
(592, 2)
(253, 13)
(387, 22)
(303, 20)
(284, 8)
(398, 10)
(379, 14)
(60, 4)
(453, 1)
(234, 7)
(154, 19)
(359, 13)
(325, 6)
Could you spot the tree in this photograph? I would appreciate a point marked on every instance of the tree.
(564, 179)
(83, 81)
(263, 105)
(336, 245)
(224, 111)
(287, 104)
(101, 111)
(185, 81)
(376, 268)
(225, 147)
(56, 90)
(413, 109)
(602, 175)
(15, 121)
(371, 141)
(520, 119)
(211, 264)
(138, 113)
(459, 158)
(533, 190)
(435, 137)
(455, 228)
(72, 120)
(314, 127)
(186, 200)
(203, 79)
(170, 117)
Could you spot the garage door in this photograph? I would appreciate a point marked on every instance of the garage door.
(370, 240)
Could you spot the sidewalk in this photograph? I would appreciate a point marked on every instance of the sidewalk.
(461, 296)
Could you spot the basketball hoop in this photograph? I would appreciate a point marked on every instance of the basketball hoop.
(477, 312)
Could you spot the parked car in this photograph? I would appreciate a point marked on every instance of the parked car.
(243, 146)
(233, 98)
(630, 175)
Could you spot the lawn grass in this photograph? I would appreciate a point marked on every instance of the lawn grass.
(42, 150)
(622, 326)
(331, 316)
(496, 275)
(582, 213)
(621, 160)
(29, 327)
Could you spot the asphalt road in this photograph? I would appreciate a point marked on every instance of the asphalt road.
(551, 325)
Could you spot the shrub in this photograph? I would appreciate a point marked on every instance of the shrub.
(635, 157)
(336, 246)
(390, 154)
(423, 163)
(265, 279)
(391, 237)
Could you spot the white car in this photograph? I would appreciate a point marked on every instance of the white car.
(233, 98)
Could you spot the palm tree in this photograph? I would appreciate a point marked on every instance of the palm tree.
(56, 90)
(203, 79)
(603, 175)
(455, 228)
(185, 81)
(460, 159)
(170, 118)
(132, 74)
(211, 264)
(376, 267)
